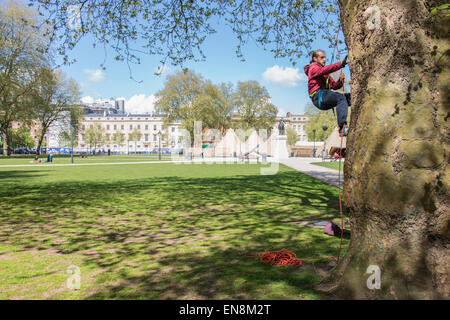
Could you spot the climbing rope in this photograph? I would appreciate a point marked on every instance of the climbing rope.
(284, 258)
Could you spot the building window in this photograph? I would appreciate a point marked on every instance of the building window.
(131, 127)
(295, 127)
(173, 129)
(146, 137)
(115, 127)
(121, 127)
(82, 127)
(146, 127)
(154, 137)
(139, 126)
(154, 127)
(107, 127)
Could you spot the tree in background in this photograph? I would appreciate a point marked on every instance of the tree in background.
(118, 138)
(135, 136)
(94, 135)
(292, 136)
(65, 138)
(253, 107)
(21, 138)
(317, 119)
(186, 96)
(21, 54)
(53, 101)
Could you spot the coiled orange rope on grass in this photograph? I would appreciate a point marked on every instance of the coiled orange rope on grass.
(282, 258)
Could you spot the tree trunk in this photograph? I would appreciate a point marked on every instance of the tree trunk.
(396, 177)
(5, 142)
(41, 138)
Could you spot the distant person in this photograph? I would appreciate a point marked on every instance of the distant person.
(314, 152)
(320, 84)
(50, 157)
(335, 156)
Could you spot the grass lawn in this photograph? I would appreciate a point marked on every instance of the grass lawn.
(160, 231)
(331, 165)
(64, 159)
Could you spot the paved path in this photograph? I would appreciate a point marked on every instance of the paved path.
(304, 165)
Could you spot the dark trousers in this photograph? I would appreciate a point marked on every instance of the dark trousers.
(331, 99)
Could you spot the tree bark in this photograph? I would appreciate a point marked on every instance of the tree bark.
(396, 178)
(41, 138)
(5, 142)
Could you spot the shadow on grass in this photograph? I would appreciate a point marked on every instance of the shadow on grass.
(178, 238)
(20, 174)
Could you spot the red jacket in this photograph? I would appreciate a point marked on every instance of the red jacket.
(317, 76)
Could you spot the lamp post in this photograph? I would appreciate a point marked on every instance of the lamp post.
(71, 150)
(324, 128)
(314, 141)
(159, 145)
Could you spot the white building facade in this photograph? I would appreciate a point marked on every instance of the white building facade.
(298, 123)
(149, 125)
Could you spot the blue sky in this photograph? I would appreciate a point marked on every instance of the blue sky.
(287, 87)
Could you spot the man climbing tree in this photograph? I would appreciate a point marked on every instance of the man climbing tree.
(396, 178)
(319, 84)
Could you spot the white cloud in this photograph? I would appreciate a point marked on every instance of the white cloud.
(140, 103)
(287, 77)
(87, 99)
(96, 75)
